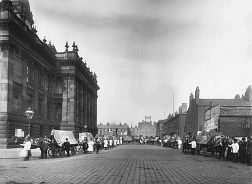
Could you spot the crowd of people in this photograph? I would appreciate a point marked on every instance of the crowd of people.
(227, 149)
(88, 145)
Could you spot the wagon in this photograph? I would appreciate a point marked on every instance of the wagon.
(60, 137)
(207, 142)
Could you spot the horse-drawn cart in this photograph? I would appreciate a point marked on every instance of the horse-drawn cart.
(207, 142)
(59, 136)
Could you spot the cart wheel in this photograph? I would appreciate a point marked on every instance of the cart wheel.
(61, 152)
(73, 150)
(205, 151)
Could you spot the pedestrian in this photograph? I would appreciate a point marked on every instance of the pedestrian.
(179, 143)
(90, 146)
(242, 150)
(229, 153)
(221, 149)
(27, 149)
(53, 146)
(110, 143)
(44, 148)
(234, 150)
(97, 145)
(249, 152)
(193, 146)
(105, 144)
(66, 145)
(115, 142)
(85, 145)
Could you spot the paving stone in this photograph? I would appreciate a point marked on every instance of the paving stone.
(122, 164)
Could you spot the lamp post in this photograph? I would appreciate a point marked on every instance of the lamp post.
(29, 114)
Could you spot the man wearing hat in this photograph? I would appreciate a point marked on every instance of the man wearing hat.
(66, 145)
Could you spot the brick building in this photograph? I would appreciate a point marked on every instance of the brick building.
(232, 121)
(175, 124)
(232, 111)
(159, 129)
(57, 86)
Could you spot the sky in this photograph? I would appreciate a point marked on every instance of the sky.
(148, 54)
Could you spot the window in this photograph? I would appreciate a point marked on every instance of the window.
(58, 86)
(49, 84)
(29, 74)
(40, 107)
(41, 79)
(49, 110)
(58, 111)
(17, 103)
(29, 100)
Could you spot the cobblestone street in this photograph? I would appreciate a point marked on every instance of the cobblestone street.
(124, 164)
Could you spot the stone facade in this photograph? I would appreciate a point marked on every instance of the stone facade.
(58, 86)
(175, 124)
(112, 129)
(146, 128)
(159, 129)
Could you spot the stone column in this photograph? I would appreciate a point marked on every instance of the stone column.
(68, 105)
(88, 108)
(85, 106)
(65, 104)
(81, 106)
(4, 59)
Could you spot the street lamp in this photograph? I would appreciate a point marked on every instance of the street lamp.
(29, 114)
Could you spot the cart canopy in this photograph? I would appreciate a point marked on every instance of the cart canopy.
(61, 135)
(85, 134)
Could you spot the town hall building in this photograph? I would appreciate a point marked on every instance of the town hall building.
(58, 87)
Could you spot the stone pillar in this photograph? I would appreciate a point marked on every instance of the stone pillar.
(45, 98)
(65, 104)
(88, 108)
(85, 106)
(95, 110)
(91, 110)
(68, 106)
(81, 106)
(4, 66)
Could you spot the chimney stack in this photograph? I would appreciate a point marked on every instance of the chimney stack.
(197, 91)
(190, 98)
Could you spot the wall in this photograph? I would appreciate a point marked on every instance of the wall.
(235, 126)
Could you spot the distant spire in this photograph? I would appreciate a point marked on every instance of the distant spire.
(74, 46)
(66, 46)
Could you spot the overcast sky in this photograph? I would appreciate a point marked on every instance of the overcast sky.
(144, 51)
